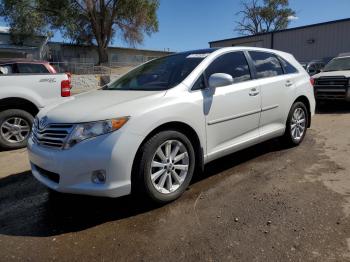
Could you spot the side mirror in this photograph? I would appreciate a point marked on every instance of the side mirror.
(220, 79)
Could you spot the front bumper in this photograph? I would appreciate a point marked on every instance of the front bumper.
(69, 171)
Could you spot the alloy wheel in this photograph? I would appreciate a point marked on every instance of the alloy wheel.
(15, 130)
(298, 124)
(169, 166)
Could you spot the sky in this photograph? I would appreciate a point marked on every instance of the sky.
(191, 24)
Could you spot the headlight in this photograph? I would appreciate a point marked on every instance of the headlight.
(92, 129)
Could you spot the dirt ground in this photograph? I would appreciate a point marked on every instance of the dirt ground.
(266, 203)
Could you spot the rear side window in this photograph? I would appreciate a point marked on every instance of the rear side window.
(31, 68)
(266, 64)
(288, 68)
(234, 64)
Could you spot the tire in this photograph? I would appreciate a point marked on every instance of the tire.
(19, 124)
(149, 178)
(295, 136)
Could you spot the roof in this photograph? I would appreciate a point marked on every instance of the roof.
(284, 30)
(21, 60)
(17, 47)
(200, 51)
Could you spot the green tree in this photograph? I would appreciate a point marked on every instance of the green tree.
(264, 16)
(82, 21)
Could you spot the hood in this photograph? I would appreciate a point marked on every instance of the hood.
(332, 73)
(100, 105)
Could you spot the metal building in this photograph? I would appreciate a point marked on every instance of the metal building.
(313, 42)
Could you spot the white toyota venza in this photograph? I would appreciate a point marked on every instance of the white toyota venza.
(150, 130)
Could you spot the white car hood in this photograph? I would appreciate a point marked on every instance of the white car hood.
(332, 73)
(100, 105)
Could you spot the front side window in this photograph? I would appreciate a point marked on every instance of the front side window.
(31, 68)
(199, 84)
(338, 64)
(234, 64)
(160, 74)
(266, 64)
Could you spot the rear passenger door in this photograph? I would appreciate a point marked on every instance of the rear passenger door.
(276, 88)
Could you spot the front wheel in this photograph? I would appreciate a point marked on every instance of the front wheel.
(297, 123)
(15, 128)
(166, 167)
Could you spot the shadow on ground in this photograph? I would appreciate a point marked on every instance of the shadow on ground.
(28, 209)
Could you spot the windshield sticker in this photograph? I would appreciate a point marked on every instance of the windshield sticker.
(198, 55)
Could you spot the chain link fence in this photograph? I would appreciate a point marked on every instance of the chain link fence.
(114, 67)
(91, 68)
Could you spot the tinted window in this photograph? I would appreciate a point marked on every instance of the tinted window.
(266, 64)
(288, 68)
(200, 83)
(32, 69)
(159, 74)
(234, 64)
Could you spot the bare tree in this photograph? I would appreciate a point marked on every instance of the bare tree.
(260, 16)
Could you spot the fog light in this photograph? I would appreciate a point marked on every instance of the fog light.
(98, 177)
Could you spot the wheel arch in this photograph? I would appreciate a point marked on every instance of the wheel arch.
(306, 102)
(176, 126)
(18, 103)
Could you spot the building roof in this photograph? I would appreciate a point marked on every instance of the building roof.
(110, 47)
(284, 30)
(21, 60)
(18, 47)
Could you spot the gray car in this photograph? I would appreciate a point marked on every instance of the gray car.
(313, 67)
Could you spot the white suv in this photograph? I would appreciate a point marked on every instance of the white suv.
(151, 129)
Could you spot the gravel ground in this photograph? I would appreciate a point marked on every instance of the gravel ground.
(266, 203)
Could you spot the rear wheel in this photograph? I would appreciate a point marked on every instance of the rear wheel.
(166, 167)
(297, 123)
(15, 128)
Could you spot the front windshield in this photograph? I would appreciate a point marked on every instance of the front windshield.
(338, 64)
(159, 74)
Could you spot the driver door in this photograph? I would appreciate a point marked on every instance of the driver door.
(233, 111)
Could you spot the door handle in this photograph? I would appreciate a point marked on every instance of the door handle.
(289, 83)
(253, 92)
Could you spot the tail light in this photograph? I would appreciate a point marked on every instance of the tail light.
(65, 88)
(312, 81)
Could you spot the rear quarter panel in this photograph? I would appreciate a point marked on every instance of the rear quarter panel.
(302, 84)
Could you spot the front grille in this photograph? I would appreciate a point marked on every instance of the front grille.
(47, 174)
(331, 87)
(53, 135)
